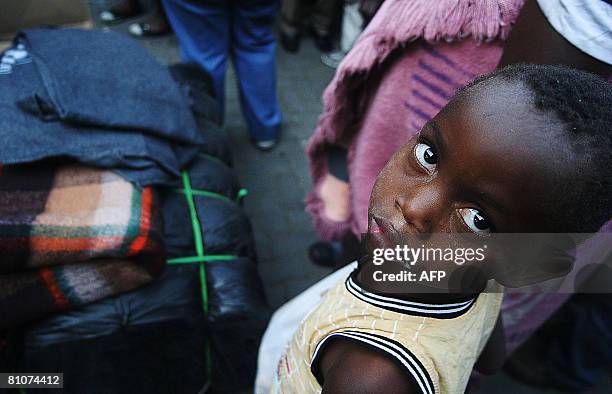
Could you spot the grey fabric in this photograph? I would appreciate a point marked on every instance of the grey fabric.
(97, 97)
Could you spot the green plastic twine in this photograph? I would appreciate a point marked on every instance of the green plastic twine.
(211, 158)
(242, 193)
(199, 245)
(202, 259)
(205, 193)
(197, 235)
(197, 232)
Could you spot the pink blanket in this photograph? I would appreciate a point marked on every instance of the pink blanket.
(476, 30)
(403, 69)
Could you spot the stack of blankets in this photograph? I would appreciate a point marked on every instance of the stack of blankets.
(127, 262)
(71, 235)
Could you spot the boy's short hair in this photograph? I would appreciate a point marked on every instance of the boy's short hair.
(583, 103)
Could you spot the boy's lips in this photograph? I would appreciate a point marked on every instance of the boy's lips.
(381, 233)
(382, 225)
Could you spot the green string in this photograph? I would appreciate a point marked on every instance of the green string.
(199, 245)
(202, 259)
(242, 193)
(205, 193)
(195, 222)
(211, 158)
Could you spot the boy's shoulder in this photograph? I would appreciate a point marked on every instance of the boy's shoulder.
(355, 369)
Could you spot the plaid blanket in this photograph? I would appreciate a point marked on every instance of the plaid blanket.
(70, 235)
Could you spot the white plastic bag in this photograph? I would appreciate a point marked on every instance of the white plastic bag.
(285, 322)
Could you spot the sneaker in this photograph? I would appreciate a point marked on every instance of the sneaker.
(325, 254)
(291, 43)
(267, 145)
(332, 59)
(123, 10)
(324, 42)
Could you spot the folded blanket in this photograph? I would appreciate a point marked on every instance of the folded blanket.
(70, 235)
(66, 95)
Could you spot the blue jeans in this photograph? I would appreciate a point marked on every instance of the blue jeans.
(210, 31)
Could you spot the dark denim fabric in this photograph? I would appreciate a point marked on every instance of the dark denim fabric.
(97, 97)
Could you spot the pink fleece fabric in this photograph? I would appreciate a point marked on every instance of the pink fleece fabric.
(475, 30)
(403, 69)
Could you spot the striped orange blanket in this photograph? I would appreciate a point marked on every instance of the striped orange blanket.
(70, 235)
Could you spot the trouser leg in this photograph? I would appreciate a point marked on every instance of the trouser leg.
(323, 15)
(291, 16)
(203, 31)
(253, 50)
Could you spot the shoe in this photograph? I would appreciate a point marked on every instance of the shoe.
(145, 30)
(332, 59)
(266, 145)
(324, 42)
(120, 12)
(335, 254)
(325, 254)
(291, 43)
(155, 24)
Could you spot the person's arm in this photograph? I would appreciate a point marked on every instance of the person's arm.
(493, 355)
(534, 40)
(349, 368)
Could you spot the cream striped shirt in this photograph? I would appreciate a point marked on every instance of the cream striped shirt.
(435, 344)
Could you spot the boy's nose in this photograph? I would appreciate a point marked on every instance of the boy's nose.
(422, 209)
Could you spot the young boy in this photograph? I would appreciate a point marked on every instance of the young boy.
(526, 149)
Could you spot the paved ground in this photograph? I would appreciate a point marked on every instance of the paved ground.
(278, 181)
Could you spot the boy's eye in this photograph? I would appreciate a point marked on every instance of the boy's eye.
(426, 156)
(475, 220)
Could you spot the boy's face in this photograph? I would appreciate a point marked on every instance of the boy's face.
(488, 162)
(483, 164)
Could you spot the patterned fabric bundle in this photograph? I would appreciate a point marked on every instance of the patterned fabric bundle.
(71, 235)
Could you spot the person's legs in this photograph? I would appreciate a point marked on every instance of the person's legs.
(324, 14)
(290, 25)
(335, 188)
(352, 26)
(253, 51)
(203, 31)
(291, 16)
(154, 24)
(120, 11)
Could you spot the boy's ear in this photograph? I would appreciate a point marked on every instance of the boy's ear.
(468, 279)
(527, 259)
(527, 276)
